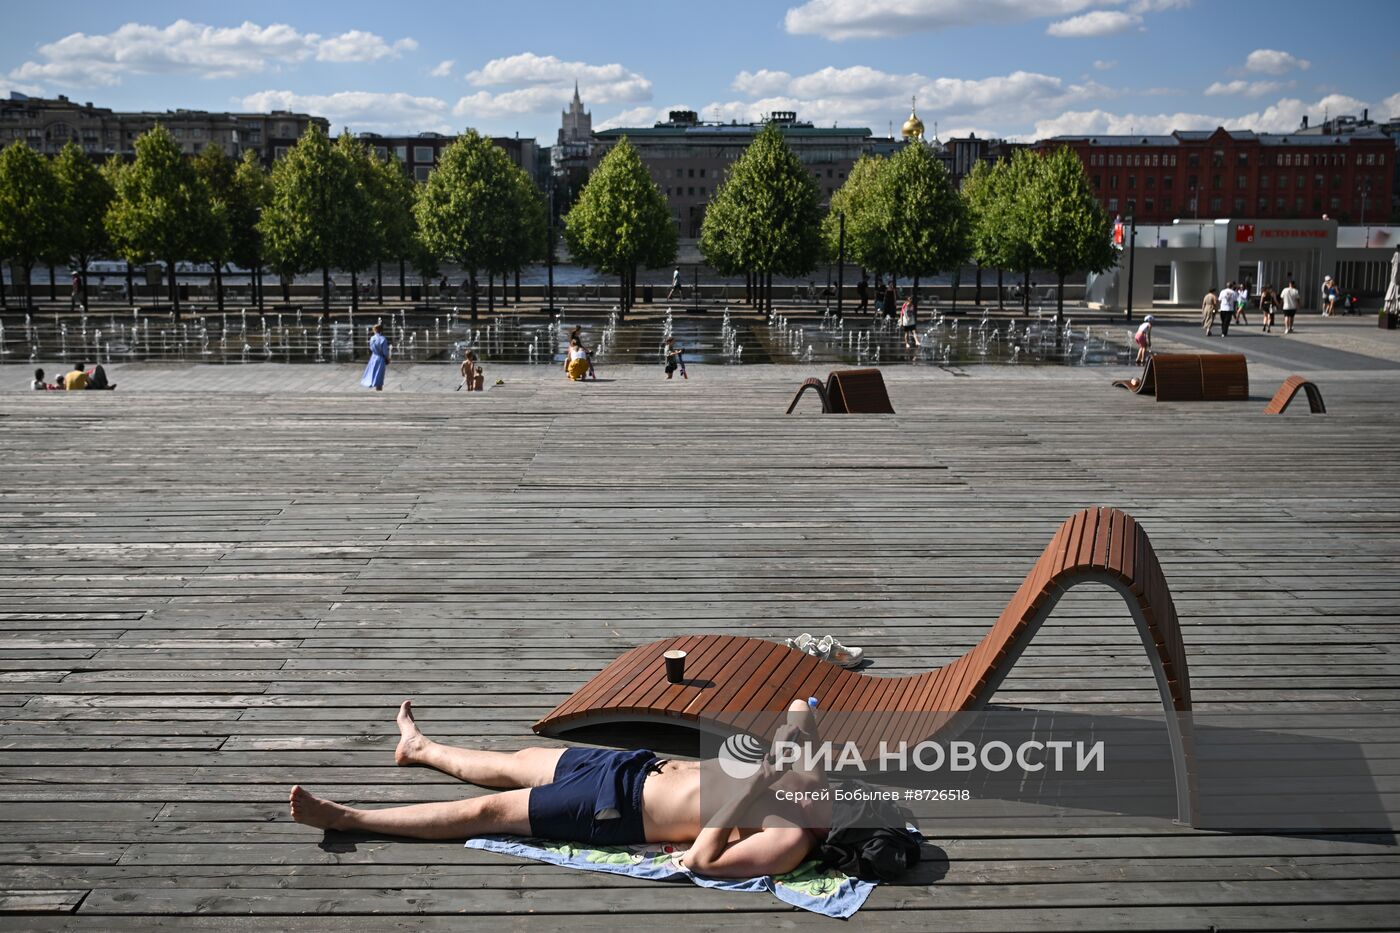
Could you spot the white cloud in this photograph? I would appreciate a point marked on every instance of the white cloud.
(1245, 88)
(1281, 117)
(758, 83)
(860, 94)
(643, 116)
(872, 19)
(1389, 108)
(869, 19)
(443, 68)
(186, 48)
(1105, 64)
(1091, 25)
(537, 83)
(1274, 62)
(361, 110)
(358, 46)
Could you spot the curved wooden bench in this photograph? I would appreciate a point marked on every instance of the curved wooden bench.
(732, 682)
(849, 392)
(1290, 388)
(810, 383)
(1192, 377)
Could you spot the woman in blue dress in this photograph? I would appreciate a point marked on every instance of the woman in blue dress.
(378, 360)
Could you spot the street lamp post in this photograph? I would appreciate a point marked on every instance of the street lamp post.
(549, 253)
(840, 261)
(1132, 247)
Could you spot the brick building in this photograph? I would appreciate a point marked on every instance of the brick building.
(47, 124)
(1238, 173)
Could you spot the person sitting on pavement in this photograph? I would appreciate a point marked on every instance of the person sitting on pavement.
(77, 379)
(39, 385)
(98, 379)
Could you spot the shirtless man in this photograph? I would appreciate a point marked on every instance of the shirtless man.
(606, 798)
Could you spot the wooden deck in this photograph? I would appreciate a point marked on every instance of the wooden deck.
(206, 596)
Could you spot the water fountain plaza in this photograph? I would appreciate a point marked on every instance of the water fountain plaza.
(730, 336)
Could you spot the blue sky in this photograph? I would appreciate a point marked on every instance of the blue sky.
(1020, 68)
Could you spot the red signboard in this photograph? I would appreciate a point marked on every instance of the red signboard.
(1244, 233)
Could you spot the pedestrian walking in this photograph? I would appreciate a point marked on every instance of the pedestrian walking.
(1290, 300)
(909, 323)
(675, 358)
(863, 291)
(676, 288)
(1228, 297)
(75, 296)
(378, 359)
(1329, 296)
(1242, 303)
(1268, 306)
(1209, 305)
(887, 304)
(1143, 338)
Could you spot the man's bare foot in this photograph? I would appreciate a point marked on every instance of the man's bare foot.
(411, 741)
(311, 810)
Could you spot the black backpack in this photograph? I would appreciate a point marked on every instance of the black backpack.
(868, 838)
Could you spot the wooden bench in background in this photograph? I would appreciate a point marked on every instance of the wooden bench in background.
(849, 392)
(736, 684)
(1290, 388)
(1192, 377)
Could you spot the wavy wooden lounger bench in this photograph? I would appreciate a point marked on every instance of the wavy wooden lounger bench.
(733, 681)
(1192, 377)
(849, 392)
(1290, 388)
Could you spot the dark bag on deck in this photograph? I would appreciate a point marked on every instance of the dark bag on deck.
(868, 837)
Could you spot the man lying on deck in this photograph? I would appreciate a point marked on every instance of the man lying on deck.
(606, 798)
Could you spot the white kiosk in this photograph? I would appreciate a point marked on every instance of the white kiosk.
(1175, 263)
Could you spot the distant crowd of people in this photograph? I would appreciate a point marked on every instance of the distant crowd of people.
(1232, 304)
(77, 378)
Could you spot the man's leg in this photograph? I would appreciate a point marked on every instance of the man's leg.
(529, 767)
(507, 812)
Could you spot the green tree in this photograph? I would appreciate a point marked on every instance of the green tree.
(620, 220)
(856, 201)
(161, 208)
(765, 217)
(919, 215)
(80, 207)
(305, 210)
(393, 195)
(466, 209)
(27, 193)
(360, 241)
(979, 198)
(249, 194)
(219, 174)
(1000, 204)
(1066, 227)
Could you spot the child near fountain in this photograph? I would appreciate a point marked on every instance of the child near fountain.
(675, 358)
(473, 379)
(1143, 338)
(576, 361)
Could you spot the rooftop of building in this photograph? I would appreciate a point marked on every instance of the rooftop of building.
(1178, 137)
(688, 123)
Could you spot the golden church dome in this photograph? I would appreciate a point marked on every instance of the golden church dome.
(913, 127)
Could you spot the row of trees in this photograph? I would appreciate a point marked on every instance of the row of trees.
(323, 206)
(898, 215)
(335, 205)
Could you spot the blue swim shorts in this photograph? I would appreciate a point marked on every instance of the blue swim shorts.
(596, 797)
